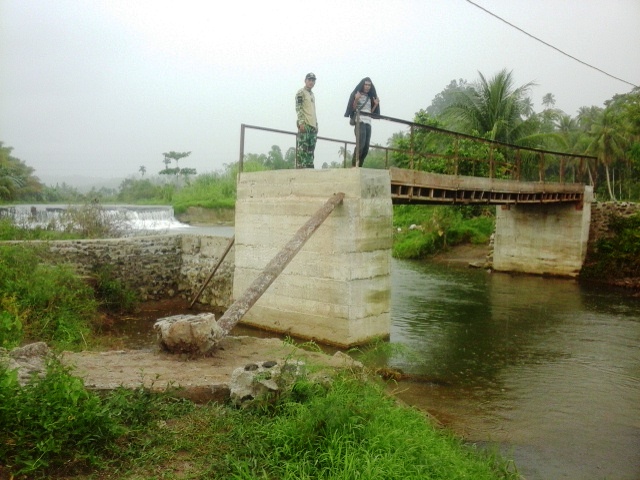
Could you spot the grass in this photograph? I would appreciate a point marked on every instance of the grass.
(348, 429)
(41, 301)
(51, 303)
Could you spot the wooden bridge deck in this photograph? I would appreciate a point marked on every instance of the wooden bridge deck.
(416, 187)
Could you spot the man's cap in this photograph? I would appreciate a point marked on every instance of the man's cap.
(310, 76)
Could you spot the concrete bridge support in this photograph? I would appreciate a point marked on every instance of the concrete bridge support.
(336, 290)
(543, 239)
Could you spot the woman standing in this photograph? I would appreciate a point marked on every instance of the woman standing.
(363, 99)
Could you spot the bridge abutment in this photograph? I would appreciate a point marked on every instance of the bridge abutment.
(543, 239)
(336, 290)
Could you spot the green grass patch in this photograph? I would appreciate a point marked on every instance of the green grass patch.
(206, 191)
(348, 429)
(113, 293)
(54, 427)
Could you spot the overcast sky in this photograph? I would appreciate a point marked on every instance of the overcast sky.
(101, 87)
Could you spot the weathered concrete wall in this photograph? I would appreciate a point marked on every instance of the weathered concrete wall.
(336, 290)
(157, 266)
(546, 239)
(147, 264)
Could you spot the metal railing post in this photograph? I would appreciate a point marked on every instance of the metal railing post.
(241, 160)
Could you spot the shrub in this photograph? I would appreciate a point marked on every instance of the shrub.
(93, 221)
(619, 255)
(112, 292)
(54, 425)
(425, 230)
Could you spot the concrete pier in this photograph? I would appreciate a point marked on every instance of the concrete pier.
(543, 239)
(337, 289)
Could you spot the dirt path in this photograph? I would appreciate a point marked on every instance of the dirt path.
(202, 379)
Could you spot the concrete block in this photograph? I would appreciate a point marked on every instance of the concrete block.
(336, 289)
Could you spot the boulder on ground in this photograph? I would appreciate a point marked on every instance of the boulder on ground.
(191, 334)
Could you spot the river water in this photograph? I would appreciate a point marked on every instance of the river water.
(544, 368)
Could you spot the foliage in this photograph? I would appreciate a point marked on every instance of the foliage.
(422, 231)
(618, 256)
(207, 191)
(347, 428)
(351, 430)
(53, 425)
(42, 302)
(12, 319)
(495, 108)
(10, 231)
(614, 137)
(51, 422)
(17, 181)
(145, 191)
(91, 220)
(447, 97)
(114, 295)
(176, 157)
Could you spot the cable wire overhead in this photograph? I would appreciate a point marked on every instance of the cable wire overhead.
(549, 45)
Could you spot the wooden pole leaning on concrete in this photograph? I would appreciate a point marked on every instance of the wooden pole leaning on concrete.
(206, 282)
(275, 267)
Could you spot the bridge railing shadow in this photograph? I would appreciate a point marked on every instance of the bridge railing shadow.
(436, 150)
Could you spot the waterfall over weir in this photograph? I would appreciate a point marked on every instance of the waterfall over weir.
(133, 218)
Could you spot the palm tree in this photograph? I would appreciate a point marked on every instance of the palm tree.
(608, 142)
(495, 109)
(142, 170)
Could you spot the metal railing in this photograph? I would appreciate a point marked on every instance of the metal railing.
(492, 159)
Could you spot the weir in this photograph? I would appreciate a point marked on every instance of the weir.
(136, 219)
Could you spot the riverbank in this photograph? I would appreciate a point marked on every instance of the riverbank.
(465, 254)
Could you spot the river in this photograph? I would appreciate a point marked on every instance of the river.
(544, 368)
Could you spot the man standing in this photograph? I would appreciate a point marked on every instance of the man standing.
(307, 123)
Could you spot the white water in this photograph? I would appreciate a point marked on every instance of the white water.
(134, 218)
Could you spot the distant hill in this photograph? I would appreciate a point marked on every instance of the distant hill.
(83, 184)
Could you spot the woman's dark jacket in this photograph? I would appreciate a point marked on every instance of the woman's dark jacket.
(372, 94)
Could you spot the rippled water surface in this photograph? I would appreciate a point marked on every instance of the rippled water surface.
(546, 368)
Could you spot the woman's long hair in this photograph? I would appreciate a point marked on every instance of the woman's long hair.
(360, 88)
